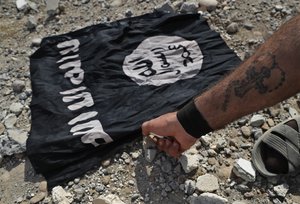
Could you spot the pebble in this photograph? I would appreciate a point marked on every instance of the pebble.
(270, 122)
(59, 195)
(166, 166)
(116, 3)
(246, 131)
(21, 4)
(38, 197)
(109, 199)
(240, 202)
(244, 169)
(18, 86)
(208, 198)
(17, 135)
(232, 28)
(206, 140)
(207, 183)
(189, 7)
(293, 112)
(1, 159)
(52, 5)
(2, 128)
(105, 163)
(43, 186)
(189, 162)
(248, 25)
(210, 5)
(257, 132)
(242, 121)
(128, 13)
(16, 108)
(31, 23)
(36, 42)
(257, 120)
(189, 187)
(281, 190)
(10, 121)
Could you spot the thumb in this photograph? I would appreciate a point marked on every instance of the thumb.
(146, 128)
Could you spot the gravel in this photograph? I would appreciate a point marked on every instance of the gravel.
(136, 173)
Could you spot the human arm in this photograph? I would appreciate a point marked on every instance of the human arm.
(268, 77)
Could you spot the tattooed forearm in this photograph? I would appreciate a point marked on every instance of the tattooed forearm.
(256, 79)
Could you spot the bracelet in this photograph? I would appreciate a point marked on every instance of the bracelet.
(192, 120)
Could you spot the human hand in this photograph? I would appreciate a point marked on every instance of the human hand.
(168, 125)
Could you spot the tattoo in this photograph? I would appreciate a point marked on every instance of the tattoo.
(255, 79)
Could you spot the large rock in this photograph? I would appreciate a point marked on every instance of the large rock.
(208, 198)
(207, 183)
(244, 169)
(60, 196)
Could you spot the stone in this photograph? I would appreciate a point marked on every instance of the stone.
(257, 120)
(248, 25)
(38, 197)
(36, 42)
(206, 140)
(150, 149)
(270, 122)
(52, 5)
(2, 128)
(16, 108)
(189, 187)
(189, 7)
(189, 162)
(293, 112)
(8, 147)
(281, 190)
(166, 166)
(1, 159)
(210, 5)
(17, 135)
(105, 163)
(232, 28)
(257, 132)
(109, 199)
(244, 169)
(128, 13)
(246, 131)
(10, 121)
(60, 196)
(240, 202)
(43, 186)
(116, 3)
(208, 198)
(31, 23)
(21, 4)
(18, 86)
(207, 183)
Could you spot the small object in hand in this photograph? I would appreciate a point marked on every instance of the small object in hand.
(155, 137)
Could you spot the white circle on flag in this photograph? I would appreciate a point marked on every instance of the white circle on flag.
(162, 60)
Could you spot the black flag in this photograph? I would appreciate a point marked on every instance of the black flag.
(93, 88)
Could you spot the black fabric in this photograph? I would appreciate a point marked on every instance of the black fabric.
(89, 64)
(192, 120)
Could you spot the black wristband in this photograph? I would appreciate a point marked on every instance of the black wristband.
(192, 120)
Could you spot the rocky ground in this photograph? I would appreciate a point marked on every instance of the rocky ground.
(209, 173)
